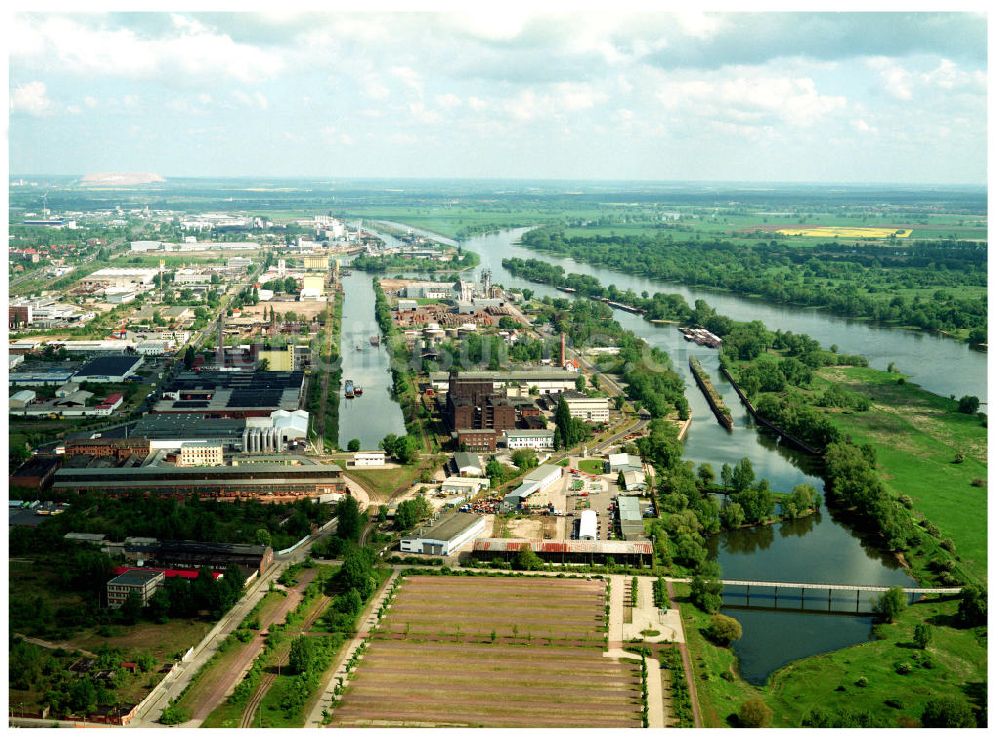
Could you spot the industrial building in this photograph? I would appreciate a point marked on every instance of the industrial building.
(623, 462)
(232, 394)
(467, 486)
(634, 553)
(535, 439)
(37, 473)
(467, 465)
(271, 434)
(143, 583)
(196, 554)
(447, 535)
(630, 519)
(200, 454)
(633, 481)
(369, 458)
(584, 407)
(518, 382)
(140, 278)
(536, 481)
(280, 478)
(588, 526)
(109, 369)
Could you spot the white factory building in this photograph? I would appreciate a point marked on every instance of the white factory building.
(534, 439)
(445, 536)
(591, 409)
(274, 433)
(126, 278)
(467, 486)
(537, 481)
(588, 525)
(369, 458)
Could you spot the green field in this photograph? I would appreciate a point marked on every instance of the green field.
(916, 436)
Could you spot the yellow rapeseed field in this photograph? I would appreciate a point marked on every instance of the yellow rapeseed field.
(871, 233)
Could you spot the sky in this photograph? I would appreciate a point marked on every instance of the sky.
(815, 97)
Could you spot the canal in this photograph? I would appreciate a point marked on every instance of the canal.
(374, 414)
(816, 549)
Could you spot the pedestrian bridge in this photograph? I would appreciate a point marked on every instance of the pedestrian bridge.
(766, 595)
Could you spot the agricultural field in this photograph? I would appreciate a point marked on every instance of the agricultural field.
(847, 233)
(492, 652)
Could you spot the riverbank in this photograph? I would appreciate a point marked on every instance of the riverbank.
(860, 685)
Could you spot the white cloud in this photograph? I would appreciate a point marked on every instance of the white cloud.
(255, 99)
(896, 81)
(189, 49)
(410, 78)
(749, 100)
(74, 109)
(372, 87)
(90, 102)
(422, 114)
(31, 98)
(863, 126)
(332, 135)
(448, 100)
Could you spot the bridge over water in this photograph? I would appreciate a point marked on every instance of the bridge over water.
(769, 589)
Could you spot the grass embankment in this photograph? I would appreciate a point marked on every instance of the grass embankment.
(323, 394)
(856, 680)
(916, 436)
(592, 466)
(391, 482)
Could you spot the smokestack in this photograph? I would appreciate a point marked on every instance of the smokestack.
(562, 350)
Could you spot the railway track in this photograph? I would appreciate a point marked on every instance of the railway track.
(246, 720)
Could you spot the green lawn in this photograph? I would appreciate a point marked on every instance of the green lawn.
(592, 466)
(916, 436)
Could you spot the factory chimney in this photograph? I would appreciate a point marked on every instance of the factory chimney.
(562, 350)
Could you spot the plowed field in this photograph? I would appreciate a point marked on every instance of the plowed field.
(493, 652)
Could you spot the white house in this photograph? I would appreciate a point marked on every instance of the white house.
(447, 535)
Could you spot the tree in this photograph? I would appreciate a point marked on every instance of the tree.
(525, 459)
(356, 573)
(188, 358)
(733, 515)
(727, 476)
(706, 475)
(804, 497)
(350, 522)
(354, 445)
(526, 559)
(755, 714)
(131, 609)
(264, 365)
(83, 696)
(263, 537)
(972, 606)
(724, 630)
(949, 713)
(922, 635)
(581, 383)
(706, 589)
(968, 404)
(890, 605)
(300, 656)
(389, 444)
(743, 475)
(494, 472)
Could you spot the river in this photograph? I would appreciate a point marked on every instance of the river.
(374, 414)
(820, 549)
